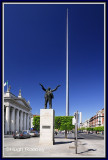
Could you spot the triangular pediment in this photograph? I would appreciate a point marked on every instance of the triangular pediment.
(20, 101)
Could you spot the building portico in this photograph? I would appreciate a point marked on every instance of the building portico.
(17, 113)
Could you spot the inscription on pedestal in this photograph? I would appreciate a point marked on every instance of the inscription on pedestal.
(46, 127)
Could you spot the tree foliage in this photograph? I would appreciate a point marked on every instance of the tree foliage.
(82, 129)
(90, 129)
(100, 128)
(36, 123)
(64, 123)
(61, 123)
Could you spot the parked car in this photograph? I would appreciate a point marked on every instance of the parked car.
(34, 133)
(22, 134)
(28, 131)
(26, 134)
(16, 134)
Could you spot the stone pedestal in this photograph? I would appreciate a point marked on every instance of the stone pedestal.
(47, 118)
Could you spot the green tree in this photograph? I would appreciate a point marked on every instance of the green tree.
(61, 123)
(100, 128)
(90, 129)
(82, 128)
(64, 123)
(36, 123)
(57, 122)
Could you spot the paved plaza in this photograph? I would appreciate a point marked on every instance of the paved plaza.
(62, 148)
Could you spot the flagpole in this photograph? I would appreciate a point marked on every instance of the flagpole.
(7, 85)
(67, 71)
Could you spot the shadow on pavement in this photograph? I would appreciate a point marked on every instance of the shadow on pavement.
(84, 144)
(88, 151)
(8, 136)
(69, 137)
(60, 137)
(74, 138)
(63, 142)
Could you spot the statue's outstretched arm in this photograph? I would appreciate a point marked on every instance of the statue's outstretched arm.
(55, 88)
(42, 87)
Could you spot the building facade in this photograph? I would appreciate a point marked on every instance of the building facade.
(17, 113)
(85, 124)
(98, 119)
(100, 115)
(95, 121)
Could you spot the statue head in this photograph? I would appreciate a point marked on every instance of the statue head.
(49, 88)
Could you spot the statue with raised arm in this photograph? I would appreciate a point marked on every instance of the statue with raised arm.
(49, 95)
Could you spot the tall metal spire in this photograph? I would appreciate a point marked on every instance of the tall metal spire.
(67, 70)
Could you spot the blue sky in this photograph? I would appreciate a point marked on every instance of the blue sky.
(35, 52)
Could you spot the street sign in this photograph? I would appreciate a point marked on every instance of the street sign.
(73, 121)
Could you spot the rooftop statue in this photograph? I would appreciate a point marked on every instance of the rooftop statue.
(9, 88)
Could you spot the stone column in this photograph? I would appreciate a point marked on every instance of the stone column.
(13, 120)
(21, 121)
(7, 129)
(4, 118)
(24, 121)
(17, 120)
(28, 122)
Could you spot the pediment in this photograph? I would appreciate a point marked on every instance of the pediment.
(20, 102)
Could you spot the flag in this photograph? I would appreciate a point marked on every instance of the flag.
(6, 83)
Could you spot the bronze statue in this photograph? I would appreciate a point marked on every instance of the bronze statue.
(49, 95)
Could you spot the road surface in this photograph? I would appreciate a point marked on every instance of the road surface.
(82, 136)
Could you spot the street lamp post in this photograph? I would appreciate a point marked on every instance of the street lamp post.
(76, 128)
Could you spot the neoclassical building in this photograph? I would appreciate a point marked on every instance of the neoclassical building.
(17, 113)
